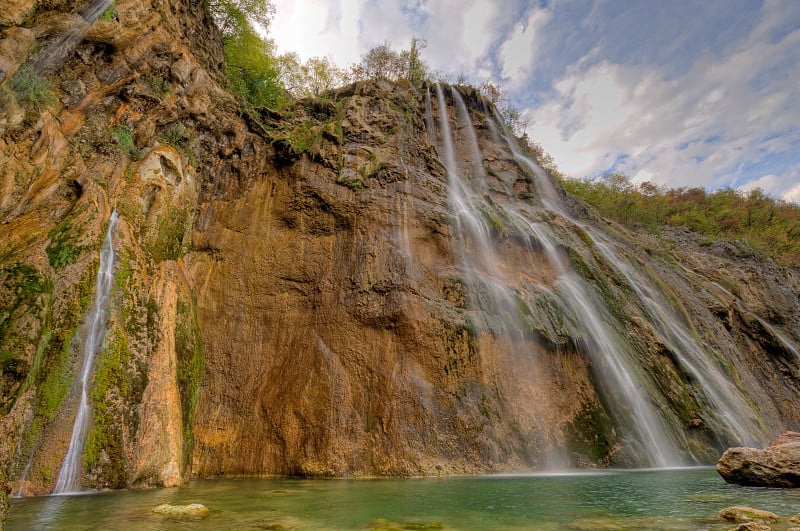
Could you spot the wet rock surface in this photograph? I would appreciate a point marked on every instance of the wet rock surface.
(777, 465)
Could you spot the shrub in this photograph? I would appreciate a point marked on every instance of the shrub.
(125, 140)
(32, 89)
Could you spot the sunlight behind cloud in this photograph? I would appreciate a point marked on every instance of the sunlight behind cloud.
(318, 28)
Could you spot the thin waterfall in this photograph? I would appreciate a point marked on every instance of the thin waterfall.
(723, 397)
(620, 387)
(57, 51)
(604, 345)
(488, 284)
(478, 253)
(69, 475)
(479, 172)
(429, 125)
(728, 405)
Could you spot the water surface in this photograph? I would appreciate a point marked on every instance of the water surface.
(656, 499)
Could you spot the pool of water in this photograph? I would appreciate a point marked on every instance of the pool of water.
(650, 499)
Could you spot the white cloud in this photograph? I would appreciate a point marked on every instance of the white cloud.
(706, 127)
(792, 194)
(518, 52)
(459, 34)
(318, 28)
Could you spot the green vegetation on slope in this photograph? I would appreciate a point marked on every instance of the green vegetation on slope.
(771, 226)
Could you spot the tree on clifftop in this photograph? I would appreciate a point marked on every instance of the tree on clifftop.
(252, 65)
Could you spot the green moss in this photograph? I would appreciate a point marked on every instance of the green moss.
(31, 89)
(105, 436)
(178, 136)
(52, 379)
(168, 241)
(353, 183)
(158, 86)
(111, 13)
(25, 284)
(62, 250)
(591, 433)
(191, 363)
(126, 145)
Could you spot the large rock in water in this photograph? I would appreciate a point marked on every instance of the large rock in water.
(778, 465)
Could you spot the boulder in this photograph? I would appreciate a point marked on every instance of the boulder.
(777, 465)
(752, 526)
(742, 514)
(192, 510)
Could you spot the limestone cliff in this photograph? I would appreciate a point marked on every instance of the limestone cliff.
(299, 292)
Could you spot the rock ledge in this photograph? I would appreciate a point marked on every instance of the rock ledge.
(777, 465)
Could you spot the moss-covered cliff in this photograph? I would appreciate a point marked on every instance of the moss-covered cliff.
(295, 293)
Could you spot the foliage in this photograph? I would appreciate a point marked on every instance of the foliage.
(111, 13)
(770, 226)
(311, 79)
(253, 69)
(32, 89)
(382, 62)
(513, 118)
(229, 14)
(159, 87)
(125, 140)
(61, 251)
(177, 135)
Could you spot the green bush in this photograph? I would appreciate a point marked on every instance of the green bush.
(125, 140)
(32, 89)
(61, 251)
(771, 226)
(158, 86)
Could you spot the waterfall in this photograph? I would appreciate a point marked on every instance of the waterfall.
(625, 396)
(627, 401)
(54, 54)
(621, 389)
(729, 406)
(69, 475)
(488, 287)
(477, 158)
(477, 250)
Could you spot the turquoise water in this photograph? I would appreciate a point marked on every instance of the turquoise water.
(655, 499)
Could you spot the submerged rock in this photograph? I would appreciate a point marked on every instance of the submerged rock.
(742, 514)
(778, 465)
(752, 526)
(192, 510)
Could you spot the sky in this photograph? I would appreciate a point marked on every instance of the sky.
(680, 93)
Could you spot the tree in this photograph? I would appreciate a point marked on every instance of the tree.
(321, 75)
(227, 14)
(415, 69)
(252, 66)
(381, 62)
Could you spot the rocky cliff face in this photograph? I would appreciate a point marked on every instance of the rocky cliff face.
(354, 285)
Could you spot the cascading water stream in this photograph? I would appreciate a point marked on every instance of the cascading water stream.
(622, 391)
(628, 399)
(727, 404)
(69, 475)
(721, 394)
(479, 171)
(54, 53)
(488, 284)
(478, 254)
